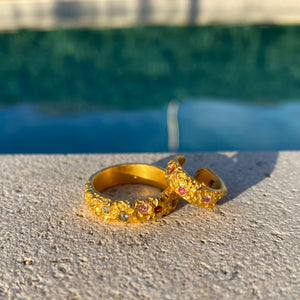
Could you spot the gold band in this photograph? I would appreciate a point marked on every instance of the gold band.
(204, 190)
(130, 210)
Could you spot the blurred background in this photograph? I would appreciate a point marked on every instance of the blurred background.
(107, 76)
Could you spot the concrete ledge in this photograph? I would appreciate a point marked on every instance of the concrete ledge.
(45, 14)
(52, 247)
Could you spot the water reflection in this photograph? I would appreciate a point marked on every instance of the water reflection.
(204, 125)
(218, 125)
(140, 68)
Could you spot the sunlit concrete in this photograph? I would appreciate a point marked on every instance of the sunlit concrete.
(53, 247)
(45, 14)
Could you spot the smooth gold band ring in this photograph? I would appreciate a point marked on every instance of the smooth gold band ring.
(130, 210)
(204, 190)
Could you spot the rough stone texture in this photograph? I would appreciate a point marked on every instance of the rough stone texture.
(53, 247)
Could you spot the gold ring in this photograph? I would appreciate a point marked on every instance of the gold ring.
(130, 210)
(204, 190)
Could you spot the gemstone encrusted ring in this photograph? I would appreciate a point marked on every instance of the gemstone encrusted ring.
(204, 190)
(130, 210)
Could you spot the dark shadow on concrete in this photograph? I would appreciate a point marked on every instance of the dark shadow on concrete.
(73, 11)
(68, 10)
(193, 11)
(239, 172)
(145, 11)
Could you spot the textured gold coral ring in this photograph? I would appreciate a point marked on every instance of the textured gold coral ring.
(131, 210)
(204, 190)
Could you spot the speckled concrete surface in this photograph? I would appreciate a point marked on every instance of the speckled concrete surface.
(52, 247)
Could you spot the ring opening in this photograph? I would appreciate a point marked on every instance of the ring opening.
(130, 173)
(208, 178)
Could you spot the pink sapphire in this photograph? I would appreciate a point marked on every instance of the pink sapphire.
(143, 208)
(206, 199)
(157, 209)
(181, 190)
(172, 169)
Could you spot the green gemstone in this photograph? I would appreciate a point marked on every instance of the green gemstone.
(105, 209)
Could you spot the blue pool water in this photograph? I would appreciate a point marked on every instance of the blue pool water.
(87, 91)
(203, 125)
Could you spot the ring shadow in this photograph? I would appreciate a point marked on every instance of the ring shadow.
(239, 170)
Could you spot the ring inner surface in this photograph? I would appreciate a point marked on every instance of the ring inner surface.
(205, 177)
(130, 173)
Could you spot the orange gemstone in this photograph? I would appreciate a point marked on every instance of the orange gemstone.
(172, 169)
